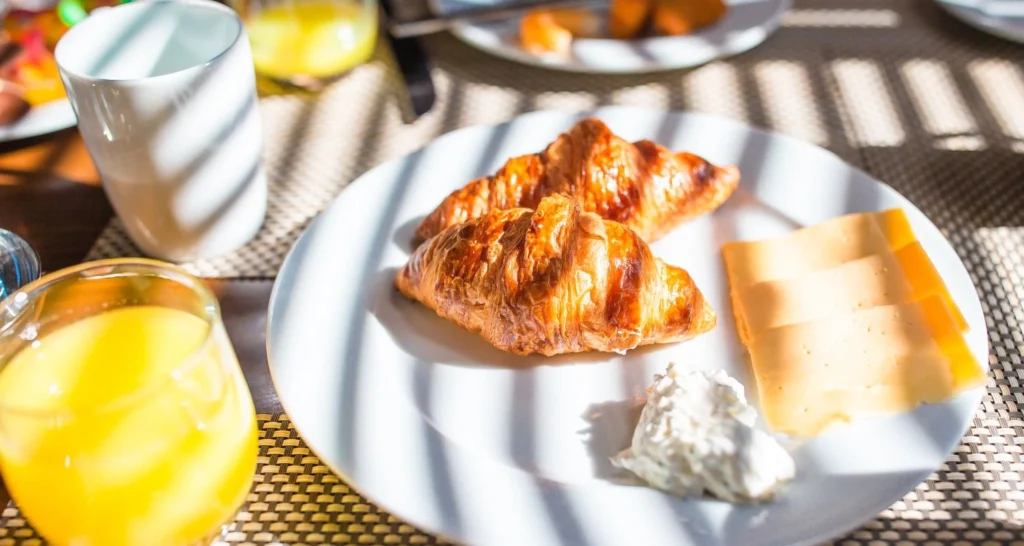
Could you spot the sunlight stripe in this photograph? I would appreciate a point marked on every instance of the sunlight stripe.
(788, 98)
(942, 108)
(715, 89)
(1002, 87)
(870, 114)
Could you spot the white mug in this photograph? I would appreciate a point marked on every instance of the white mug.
(165, 95)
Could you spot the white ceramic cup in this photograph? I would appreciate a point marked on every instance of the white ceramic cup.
(165, 95)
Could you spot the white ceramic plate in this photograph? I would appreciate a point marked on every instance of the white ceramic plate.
(488, 448)
(1002, 18)
(40, 120)
(747, 24)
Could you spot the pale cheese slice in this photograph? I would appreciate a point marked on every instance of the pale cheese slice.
(884, 359)
(885, 278)
(821, 246)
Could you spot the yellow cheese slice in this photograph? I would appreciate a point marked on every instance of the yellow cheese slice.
(879, 360)
(920, 272)
(879, 279)
(816, 247)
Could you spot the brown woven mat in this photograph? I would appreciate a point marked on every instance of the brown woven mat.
(897, 88)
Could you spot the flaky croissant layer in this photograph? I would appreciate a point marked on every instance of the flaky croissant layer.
(642, 185)
(555, 280)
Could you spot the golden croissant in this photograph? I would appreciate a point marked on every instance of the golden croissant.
(642, 185)
(554, 280)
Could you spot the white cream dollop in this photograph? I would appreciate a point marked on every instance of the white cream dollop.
(696, 434)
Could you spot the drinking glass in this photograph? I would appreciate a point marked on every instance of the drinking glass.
(124, 415)
(165, 96)
(306, 43)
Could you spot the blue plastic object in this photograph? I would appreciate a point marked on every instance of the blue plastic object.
(19, 263)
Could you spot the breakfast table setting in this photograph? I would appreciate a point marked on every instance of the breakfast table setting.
(375, 419)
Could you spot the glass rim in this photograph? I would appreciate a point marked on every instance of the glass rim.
(201, 4)
(39, 286)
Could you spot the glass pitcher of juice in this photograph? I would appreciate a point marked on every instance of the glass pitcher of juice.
(308, 42)
(124, 416)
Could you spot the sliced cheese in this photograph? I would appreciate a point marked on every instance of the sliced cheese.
(895, 227)
(885, 278)
(879, 360)
(816, 247)
(920, 272)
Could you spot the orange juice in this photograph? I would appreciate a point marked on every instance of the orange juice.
(131, 426)
(317, 38)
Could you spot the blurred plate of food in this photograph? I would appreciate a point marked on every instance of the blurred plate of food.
(623, 36)
(32, 99)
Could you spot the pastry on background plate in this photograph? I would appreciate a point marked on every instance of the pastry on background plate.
(554, 280)
(679, 17)
(552, 30)
(627, 18)
(642, 185)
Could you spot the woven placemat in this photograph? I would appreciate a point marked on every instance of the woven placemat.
(897, 88)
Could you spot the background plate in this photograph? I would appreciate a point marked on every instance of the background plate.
(43, 119)
(1002, 18)
(461, 439)
(747, 24)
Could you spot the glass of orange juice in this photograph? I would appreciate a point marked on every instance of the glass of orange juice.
(307, 43)
(124, 416)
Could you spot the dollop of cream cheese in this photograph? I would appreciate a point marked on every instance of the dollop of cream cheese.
(696, 435)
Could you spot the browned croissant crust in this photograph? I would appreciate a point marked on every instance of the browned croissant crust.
(642, 185)
(555, 280)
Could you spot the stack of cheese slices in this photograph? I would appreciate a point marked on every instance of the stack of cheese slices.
(846, 319)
